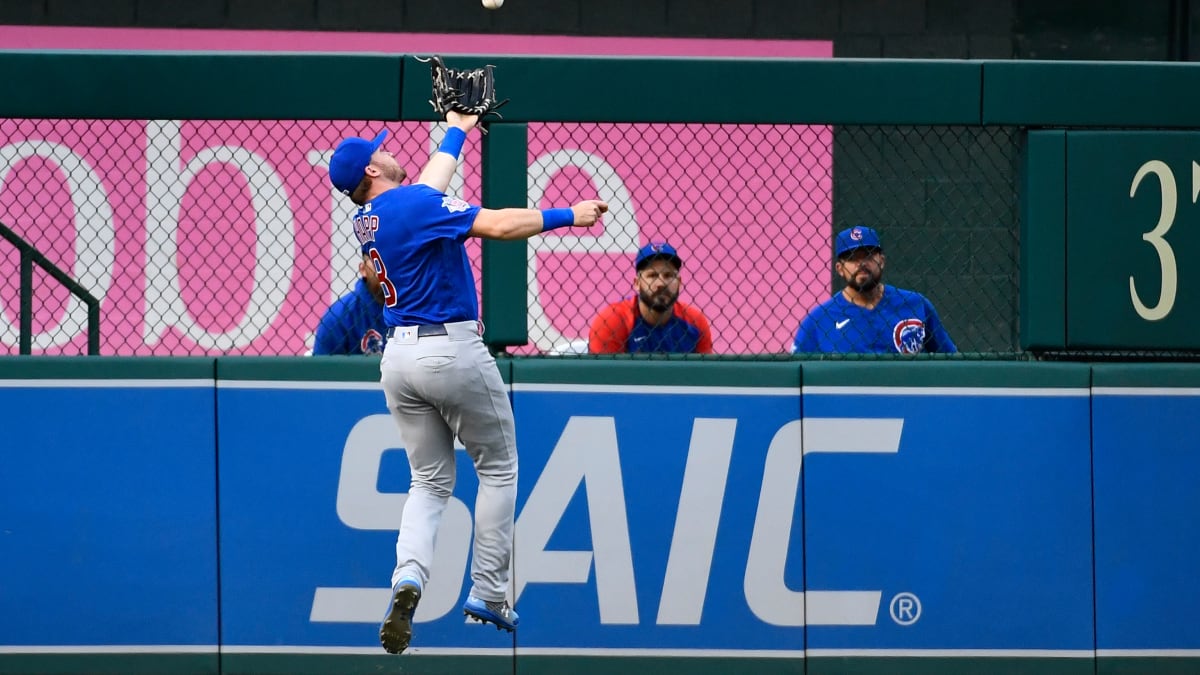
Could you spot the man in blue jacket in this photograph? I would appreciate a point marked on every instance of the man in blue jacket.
(354, 323)
(868, 316)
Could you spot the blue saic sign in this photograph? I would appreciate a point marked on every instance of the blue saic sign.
(680, 520)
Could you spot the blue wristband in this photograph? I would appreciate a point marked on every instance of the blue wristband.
(453, 141)
(552, 219)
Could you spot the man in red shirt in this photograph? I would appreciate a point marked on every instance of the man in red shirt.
(655, 320)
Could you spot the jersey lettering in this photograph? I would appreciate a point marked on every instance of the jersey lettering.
(365, 228)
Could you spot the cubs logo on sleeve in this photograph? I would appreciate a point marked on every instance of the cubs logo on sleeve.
(908, 336)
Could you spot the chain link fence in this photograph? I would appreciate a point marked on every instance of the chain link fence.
(752, 210)
(224, 237)
(200, 237)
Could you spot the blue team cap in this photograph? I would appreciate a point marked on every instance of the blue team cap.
(657, 251)
(350, 161)
(856, 237)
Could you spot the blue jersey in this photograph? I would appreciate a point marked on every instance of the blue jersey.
(415, 234)
(353, 324)
(903, 322)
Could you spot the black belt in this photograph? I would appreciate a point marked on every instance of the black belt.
(428, 330)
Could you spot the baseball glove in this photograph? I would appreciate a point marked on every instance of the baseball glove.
(471, 92)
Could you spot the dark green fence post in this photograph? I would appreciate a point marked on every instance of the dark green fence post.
(505, 263)
(26, 312)
(1043, 241)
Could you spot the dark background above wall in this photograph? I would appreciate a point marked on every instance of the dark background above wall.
(1135, 30)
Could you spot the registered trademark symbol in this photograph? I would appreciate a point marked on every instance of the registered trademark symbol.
(905, 609)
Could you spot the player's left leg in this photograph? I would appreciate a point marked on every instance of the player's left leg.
(482, 418)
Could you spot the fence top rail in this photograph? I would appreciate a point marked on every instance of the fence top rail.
(84, 84)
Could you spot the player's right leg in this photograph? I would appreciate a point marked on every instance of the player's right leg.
(395, 632)
(430, 448)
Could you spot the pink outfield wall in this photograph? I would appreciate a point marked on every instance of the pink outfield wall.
(225, 237)
(48, 37)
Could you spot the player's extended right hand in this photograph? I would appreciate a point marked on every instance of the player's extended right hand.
(588, 212)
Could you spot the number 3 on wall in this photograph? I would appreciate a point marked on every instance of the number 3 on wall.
(1166, 256)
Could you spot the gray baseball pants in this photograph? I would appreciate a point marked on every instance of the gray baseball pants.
(437, 388)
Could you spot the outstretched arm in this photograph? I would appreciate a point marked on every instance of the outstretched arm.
(440, 168)
(524, 223)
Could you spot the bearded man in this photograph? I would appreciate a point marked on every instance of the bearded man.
(868, 316)
(655, 319)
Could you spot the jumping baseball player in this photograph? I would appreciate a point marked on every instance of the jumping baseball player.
(868, 316)
(438, 377)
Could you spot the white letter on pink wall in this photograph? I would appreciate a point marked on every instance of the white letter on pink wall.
(94, 235)
(620, 233)
(274, 226)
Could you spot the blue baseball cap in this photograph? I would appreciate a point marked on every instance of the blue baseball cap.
(350, 161)
(655, 251)
(856, 237)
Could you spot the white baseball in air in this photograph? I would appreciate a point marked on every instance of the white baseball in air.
(492, 4)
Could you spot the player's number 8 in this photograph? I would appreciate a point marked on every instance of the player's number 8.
(389, 289)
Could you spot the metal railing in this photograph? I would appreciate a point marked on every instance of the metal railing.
(29, 257)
